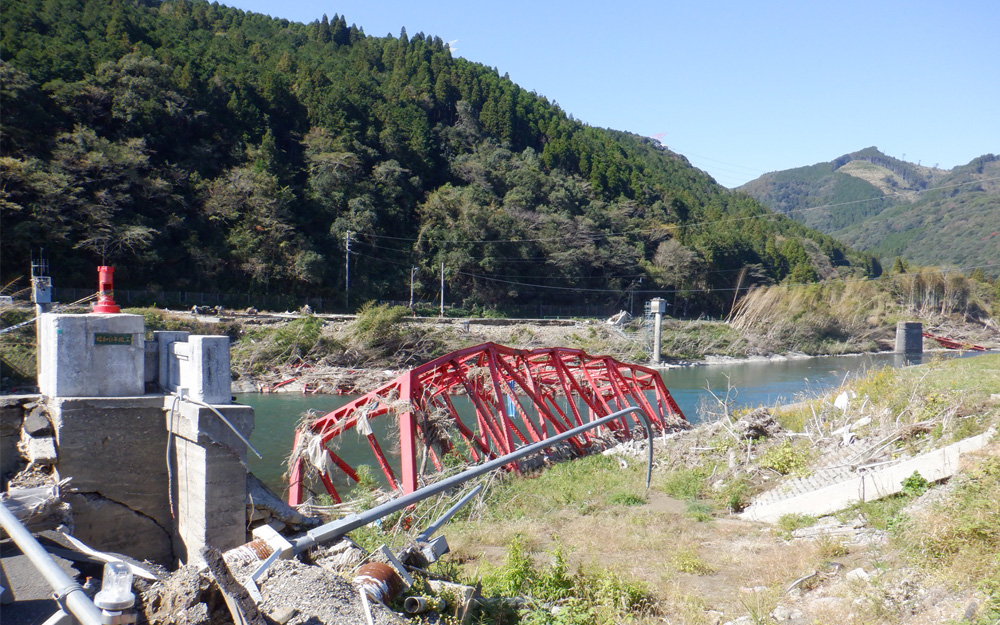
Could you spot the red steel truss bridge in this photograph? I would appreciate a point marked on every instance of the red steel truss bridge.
(519, 397)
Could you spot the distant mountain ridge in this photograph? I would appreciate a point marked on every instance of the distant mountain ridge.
(890, 207)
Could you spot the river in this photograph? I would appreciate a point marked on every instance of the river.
(749, 384)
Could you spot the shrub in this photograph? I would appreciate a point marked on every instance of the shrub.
(378, 325)
(786, 458)
(683, 483)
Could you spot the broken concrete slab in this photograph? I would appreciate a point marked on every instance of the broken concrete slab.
(38, 450)
(12, 408)
(38, 508)
(870, 485)
(263, 504)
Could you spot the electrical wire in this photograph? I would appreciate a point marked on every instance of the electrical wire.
(639, 231)
(57, 308)
(709, 290)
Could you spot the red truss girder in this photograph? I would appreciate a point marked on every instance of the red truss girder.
(563, 387)
(948, 343)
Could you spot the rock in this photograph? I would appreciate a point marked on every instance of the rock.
(781, 613)
(37, 423)
(11, 415)
(858, 573)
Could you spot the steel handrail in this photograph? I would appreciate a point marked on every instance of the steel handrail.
(335, 529)
(67, 593)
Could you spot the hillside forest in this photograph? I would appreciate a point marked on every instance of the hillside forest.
(893, 208)
(199, 147)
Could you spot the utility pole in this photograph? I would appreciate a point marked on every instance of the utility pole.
(41, 295)
(413, 273)
(442, 289)
(657, 306)
(347, 271)
(739, 283)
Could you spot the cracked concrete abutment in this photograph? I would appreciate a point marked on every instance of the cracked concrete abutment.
(114, 449)
(118, 528)
(149, 477)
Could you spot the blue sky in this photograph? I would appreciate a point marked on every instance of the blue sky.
(739, 87)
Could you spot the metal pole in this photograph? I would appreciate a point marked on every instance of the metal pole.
(347, 271)
(657, 336)
(441, 520)
(442, 289)
(413, 272)
(336, 529)
(66, 590)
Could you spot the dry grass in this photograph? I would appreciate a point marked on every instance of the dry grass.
(709, 572)
(848, 316)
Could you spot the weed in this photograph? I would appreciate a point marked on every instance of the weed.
(508, 580)
(882, 513)
(378, 325)
(687, 561)
(961, 538)
(915, 485)
(626, 499)
(828, 547)
(698, 510)
(683, 483)
(736, 493)
(759, 604)
(367, 479)
(794, 420)
(787, 458)
(791, 522)
(556, 596)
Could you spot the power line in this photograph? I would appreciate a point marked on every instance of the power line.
(510, 260)
(720, 289)
(769, 214)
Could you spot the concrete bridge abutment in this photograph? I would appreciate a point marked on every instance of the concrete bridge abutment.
(154, 475)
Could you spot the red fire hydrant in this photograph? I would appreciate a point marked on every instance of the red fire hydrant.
(105, 291)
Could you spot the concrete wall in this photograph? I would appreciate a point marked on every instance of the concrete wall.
(909, 337)
(87, 355)
(211, 478)
(115, 449)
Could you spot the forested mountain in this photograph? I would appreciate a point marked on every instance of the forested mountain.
(892, 208)
(198, 147)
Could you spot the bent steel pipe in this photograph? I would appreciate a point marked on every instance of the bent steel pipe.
(336, 529)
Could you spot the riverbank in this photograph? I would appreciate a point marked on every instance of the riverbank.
(332, 361)
(583, 541)
(681, 550)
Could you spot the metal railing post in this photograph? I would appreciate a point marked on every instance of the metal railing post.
(67, 592)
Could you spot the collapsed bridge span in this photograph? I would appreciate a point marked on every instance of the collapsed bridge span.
(518, 397)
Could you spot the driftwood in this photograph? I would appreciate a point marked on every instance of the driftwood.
(264, 503)
(241, 606)
(38, 508)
